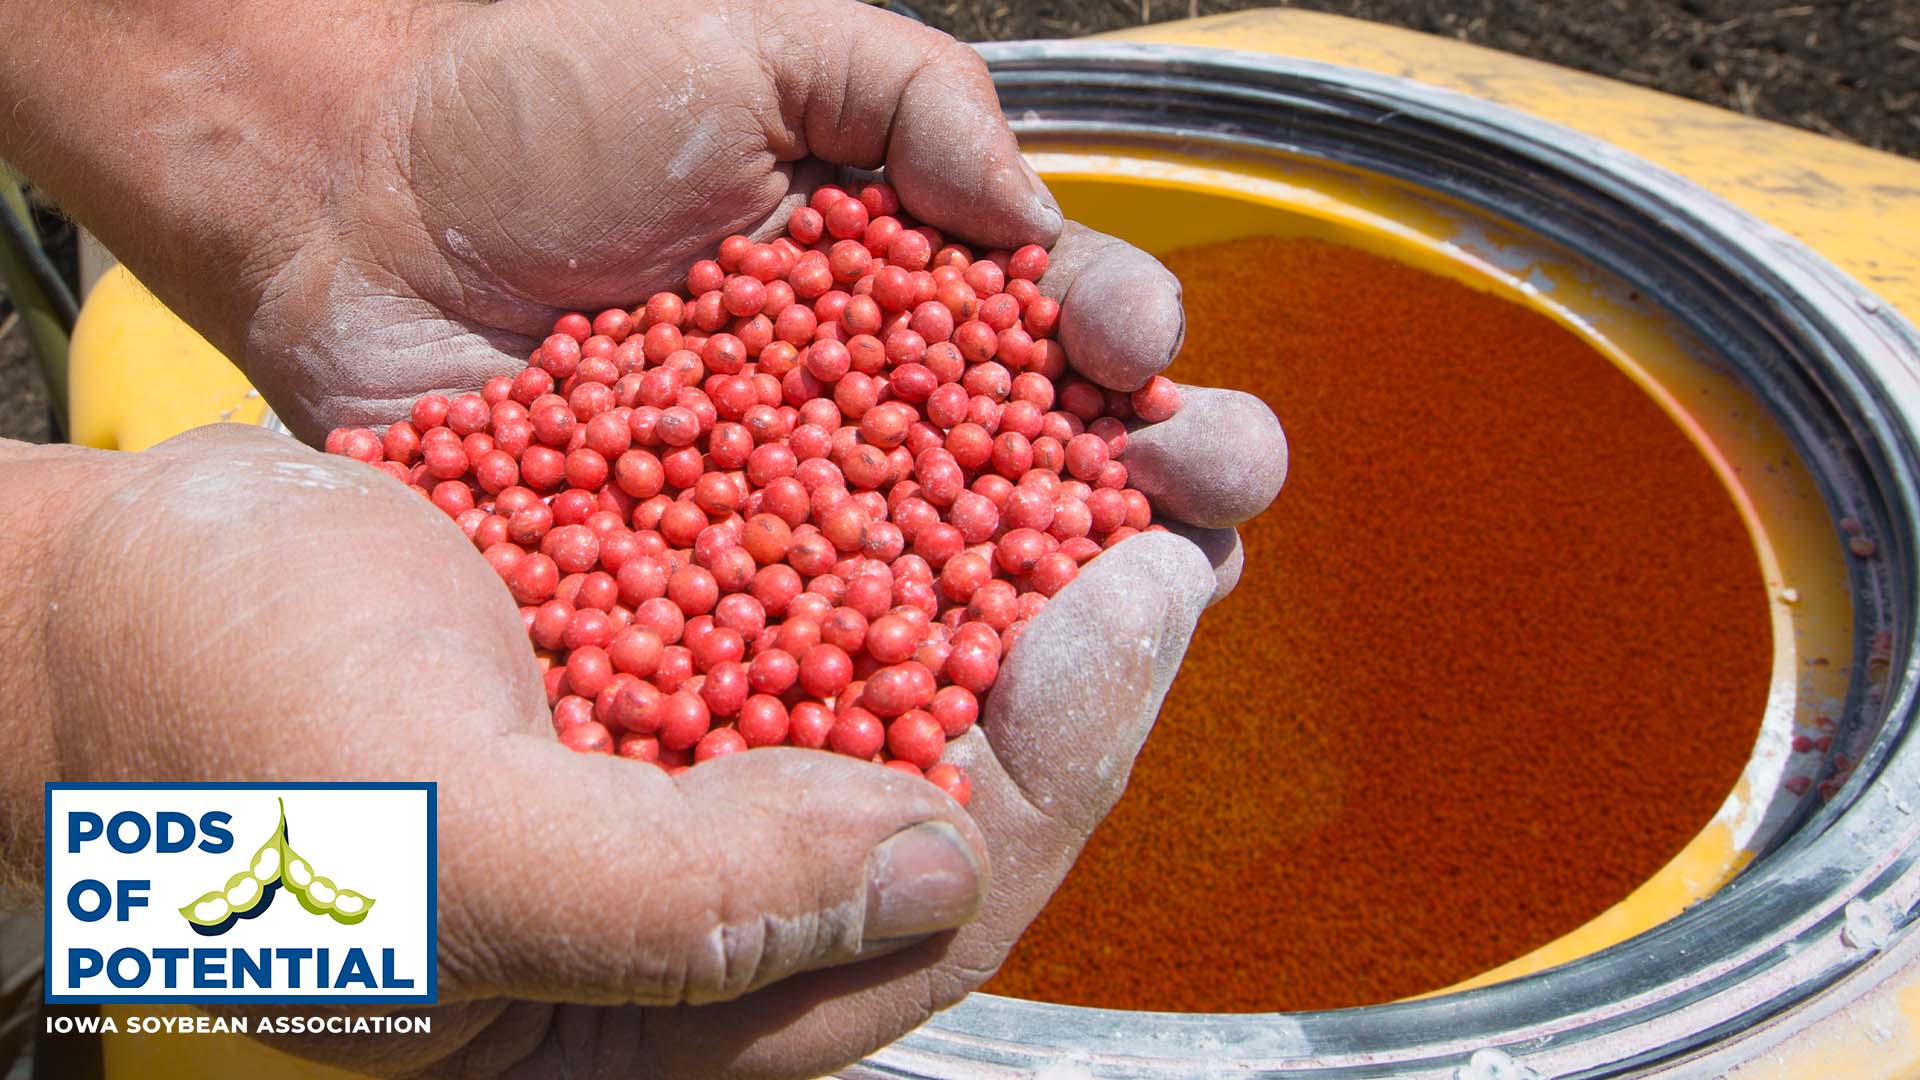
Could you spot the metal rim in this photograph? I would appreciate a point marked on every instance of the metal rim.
(1841, 372)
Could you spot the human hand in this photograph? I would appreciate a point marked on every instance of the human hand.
(533, 157)
(804, 903)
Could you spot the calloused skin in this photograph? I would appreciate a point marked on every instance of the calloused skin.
(230, 605)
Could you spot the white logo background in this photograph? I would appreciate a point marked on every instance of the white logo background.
(373, 841)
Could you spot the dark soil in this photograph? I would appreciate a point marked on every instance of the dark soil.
(1847, 68)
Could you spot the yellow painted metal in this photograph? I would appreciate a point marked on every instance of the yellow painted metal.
(139, 376)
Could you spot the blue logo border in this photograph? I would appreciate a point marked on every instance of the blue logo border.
(429, 787)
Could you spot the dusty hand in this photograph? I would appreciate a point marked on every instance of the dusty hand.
(538, 156)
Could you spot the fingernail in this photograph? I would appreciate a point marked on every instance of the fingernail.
(920, 880)
(1049, 215)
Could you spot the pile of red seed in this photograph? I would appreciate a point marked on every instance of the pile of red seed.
(814, 505)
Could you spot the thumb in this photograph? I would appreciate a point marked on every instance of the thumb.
(643, 888)
(1080, 690)
(864, 87)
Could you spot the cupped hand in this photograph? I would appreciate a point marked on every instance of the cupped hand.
(772, 913)
(537, 156)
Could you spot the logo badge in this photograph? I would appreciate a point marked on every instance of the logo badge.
(240, 892)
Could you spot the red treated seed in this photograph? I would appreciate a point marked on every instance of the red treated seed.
(712, 645)
(550, 623)
(953, 780)
(709, 503)
(1014, 348)
(428, 413)
(609, 696)
(725, 689)
(588, 627)
(1019, 550)
(574, 549)
(973, 664)
(1086, 455)
(892, 638)
(916, 737)
(741, 614)
(956, 709)
(663, 617)
(692, 589)
(588, 670)
(636, 650)
(1029, 262)
(857, 733)
(1107, 509)
(910, 251)
(844, 628)
(960, 300)
(1053, 572)
(862, 317)
(704, 277)
(743, 295)
(809, 725)
(1012, 454)
(684, 720)
(879, 198)
(638, 748)
(401, 444)
(589, 737)
(598, 591)
(559, 355)
(963, 575)
(1156, 401)
(825, 670)
(806, 224)
(453, 496)
(975, 515)
(848, 260)
(976, 341)
(717, 743)
(846, 219)
(763, 721)
(636, 708)
(897, 688)
(773, 672)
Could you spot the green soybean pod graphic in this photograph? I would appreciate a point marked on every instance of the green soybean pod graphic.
(267, 862)
(320, 895)
(349, 907)
(242, 893)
